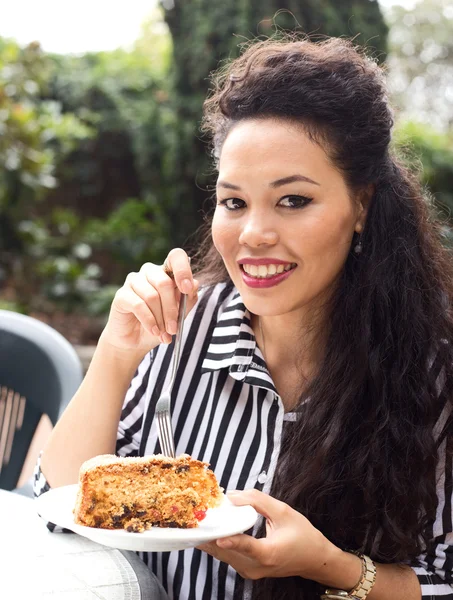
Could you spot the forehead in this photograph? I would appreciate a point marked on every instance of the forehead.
(271, 146)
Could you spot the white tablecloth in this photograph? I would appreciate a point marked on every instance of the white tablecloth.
(38, 565)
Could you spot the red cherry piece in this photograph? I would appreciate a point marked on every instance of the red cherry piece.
(199, 514)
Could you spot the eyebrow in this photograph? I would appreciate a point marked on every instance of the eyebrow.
(274, 184)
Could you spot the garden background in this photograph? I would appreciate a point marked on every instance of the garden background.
(102, 166)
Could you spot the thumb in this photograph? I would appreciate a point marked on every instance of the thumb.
(270, 508)
(192, 298)
(245, 545)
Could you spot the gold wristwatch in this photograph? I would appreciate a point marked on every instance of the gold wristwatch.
(363, 587)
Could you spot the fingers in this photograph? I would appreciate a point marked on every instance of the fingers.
(245, 544)
(265, 505)
(178, 263)
(127, 302)
(245, 554)
(208, 547)
(158, 289)
(152, 295)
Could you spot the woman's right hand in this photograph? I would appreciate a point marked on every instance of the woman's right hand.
(144, 311)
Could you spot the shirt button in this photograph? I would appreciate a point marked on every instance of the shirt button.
(262, 477)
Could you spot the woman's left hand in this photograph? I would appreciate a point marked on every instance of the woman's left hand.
(292, 545)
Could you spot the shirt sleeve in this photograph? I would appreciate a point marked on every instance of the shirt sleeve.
(129, 428)
(41, 485)
(434, 568)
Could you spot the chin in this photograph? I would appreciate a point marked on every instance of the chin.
(264, 307)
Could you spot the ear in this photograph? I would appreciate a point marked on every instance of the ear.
(364, 199)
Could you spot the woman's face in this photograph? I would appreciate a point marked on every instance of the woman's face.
(284, 219)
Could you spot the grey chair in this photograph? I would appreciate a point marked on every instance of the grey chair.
(39, 373)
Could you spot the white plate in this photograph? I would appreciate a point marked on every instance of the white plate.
(57, 505)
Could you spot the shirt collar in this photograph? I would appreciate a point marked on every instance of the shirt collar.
(233, 346)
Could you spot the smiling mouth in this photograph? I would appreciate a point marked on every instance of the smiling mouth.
(266, 271)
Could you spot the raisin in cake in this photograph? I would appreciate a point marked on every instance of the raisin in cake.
(137, 493)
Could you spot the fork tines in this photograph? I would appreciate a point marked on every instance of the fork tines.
(165, 433)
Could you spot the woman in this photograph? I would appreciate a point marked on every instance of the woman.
(316, 371)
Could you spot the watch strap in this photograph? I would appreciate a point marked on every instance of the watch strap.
(364, 585)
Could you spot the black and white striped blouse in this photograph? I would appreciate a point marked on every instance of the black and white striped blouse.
(227, 412)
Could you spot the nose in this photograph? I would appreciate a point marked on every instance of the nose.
(258, 230)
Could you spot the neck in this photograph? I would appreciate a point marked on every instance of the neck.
(291, 340)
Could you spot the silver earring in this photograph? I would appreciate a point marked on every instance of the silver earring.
(358, 247)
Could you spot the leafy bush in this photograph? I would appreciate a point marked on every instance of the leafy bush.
(432, 152)
(134, 233)
(63, 272)
(34, 136)
(71, 152)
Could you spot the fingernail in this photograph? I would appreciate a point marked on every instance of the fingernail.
(172, 327)
(186, 286)
(233, 492)
(156, 331)
(225, 543)
(166, 338)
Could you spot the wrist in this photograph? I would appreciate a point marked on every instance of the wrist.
(119, 363)
(115, 352)
(340, 570)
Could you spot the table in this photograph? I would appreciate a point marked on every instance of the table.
(36, 564)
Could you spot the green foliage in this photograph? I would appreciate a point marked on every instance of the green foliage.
(154, 46)
(75, 139)
(31, 130)
(131, 234)
(11, 305)
(123, 94)
(26, 166)
(34, 135)
(67, 251)
(421, 61)
(432, 152)
(98, 303)
(63, 271)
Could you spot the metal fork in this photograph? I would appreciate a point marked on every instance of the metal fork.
(164, 428)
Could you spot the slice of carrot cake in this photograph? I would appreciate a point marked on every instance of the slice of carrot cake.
(139, 492)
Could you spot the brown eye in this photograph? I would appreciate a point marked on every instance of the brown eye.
(294, 201)
(233, 203)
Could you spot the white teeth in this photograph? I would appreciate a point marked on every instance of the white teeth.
(272, 269)
(262, 271)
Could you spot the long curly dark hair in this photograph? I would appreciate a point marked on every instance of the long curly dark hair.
(360, 463)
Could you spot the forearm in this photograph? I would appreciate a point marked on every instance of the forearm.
(343, 571)
(395, 581)
(89, 424)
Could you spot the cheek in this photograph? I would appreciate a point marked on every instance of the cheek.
(330, 234)
(224, 234)
(340, 234)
